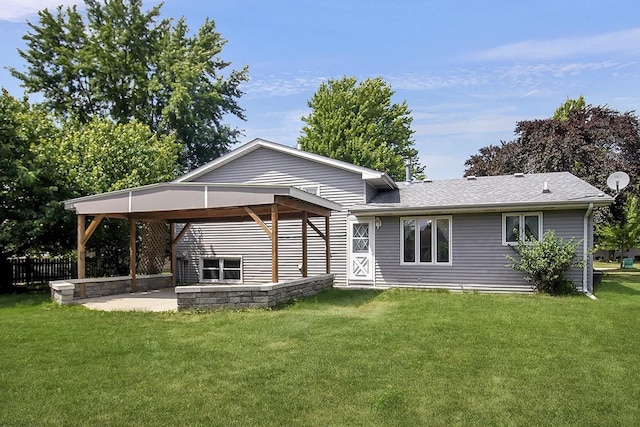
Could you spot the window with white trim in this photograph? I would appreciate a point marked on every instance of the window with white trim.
(221, 269)
(521, 226)
(313, 189)
(425, 240)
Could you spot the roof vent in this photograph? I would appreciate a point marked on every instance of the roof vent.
(426, 180)
(518, 175)
(471, 178)
(545, 187)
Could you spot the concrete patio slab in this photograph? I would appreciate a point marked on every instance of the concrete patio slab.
(158, 300)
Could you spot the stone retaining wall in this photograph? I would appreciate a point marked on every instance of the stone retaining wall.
(210, 297)
(66, 291)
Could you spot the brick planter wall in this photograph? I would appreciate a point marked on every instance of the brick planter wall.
(210, 297)
(66, 291)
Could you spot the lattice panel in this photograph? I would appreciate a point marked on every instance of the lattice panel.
(154, 247)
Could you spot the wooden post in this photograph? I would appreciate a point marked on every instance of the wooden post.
(274, 243)
(82, 272)
(304, 244)
(327, 245)
(174, 248)
(132, 254)
(174, 260)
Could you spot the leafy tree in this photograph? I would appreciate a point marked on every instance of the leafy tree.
(563, 111)
(591, 142)
(125, 64)
(622, 232)
(358, 123)
(30, 214)
(545, 261)
(29, 191)
(103, 156)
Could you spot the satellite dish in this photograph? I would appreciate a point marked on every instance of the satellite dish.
(618, 180)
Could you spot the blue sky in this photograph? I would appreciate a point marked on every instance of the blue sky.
(468, 70)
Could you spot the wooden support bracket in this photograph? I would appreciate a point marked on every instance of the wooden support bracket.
(257, 219)
(317, 230)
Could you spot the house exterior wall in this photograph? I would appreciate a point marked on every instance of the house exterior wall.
(371, 192)
(478, 255)
(266, 166)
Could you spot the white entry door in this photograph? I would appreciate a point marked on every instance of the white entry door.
(361, 249)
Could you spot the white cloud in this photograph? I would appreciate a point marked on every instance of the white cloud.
(18, 10)
(282, 85)
(535, 50)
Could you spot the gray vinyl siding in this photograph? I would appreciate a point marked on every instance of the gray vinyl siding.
(567, 225)
(371, 192)
(478, 256)
(265, 166)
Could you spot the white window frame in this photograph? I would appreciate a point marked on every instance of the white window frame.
(521, 216)
(307, 188)
(434, 243)
(221, 259)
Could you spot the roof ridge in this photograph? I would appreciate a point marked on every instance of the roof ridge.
(256, 143)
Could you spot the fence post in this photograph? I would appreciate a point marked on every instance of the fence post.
(27, 270)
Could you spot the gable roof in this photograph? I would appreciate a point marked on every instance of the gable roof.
(487, 193)
(378, 179)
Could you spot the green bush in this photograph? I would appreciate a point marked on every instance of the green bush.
(545, 261)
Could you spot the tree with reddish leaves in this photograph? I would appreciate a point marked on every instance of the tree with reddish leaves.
(589, 141)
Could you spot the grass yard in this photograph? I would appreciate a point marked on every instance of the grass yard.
(357, 358)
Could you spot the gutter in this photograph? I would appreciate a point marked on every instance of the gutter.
(381, 210)
(585, 254)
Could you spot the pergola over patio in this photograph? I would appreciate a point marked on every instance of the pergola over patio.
(188, 203)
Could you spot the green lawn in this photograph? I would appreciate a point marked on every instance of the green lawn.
(356, 358)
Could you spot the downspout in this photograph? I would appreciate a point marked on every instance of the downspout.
(585, 254)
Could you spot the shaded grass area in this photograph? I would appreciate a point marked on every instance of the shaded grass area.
(359, 358)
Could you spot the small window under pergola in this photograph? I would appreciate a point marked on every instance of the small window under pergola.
(189, 203)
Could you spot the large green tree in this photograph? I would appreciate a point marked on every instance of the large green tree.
(103, 156)
(622, 232)
(122, 63)
(29, 185)
(358, 123)
(42, 164)
(31, 217)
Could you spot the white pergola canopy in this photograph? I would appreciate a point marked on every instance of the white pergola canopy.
(188, 202)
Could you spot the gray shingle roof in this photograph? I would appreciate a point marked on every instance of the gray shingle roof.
(487, 192)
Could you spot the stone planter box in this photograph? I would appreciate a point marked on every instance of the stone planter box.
(211, 297)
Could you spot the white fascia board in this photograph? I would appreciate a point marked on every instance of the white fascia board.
(414, 210)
